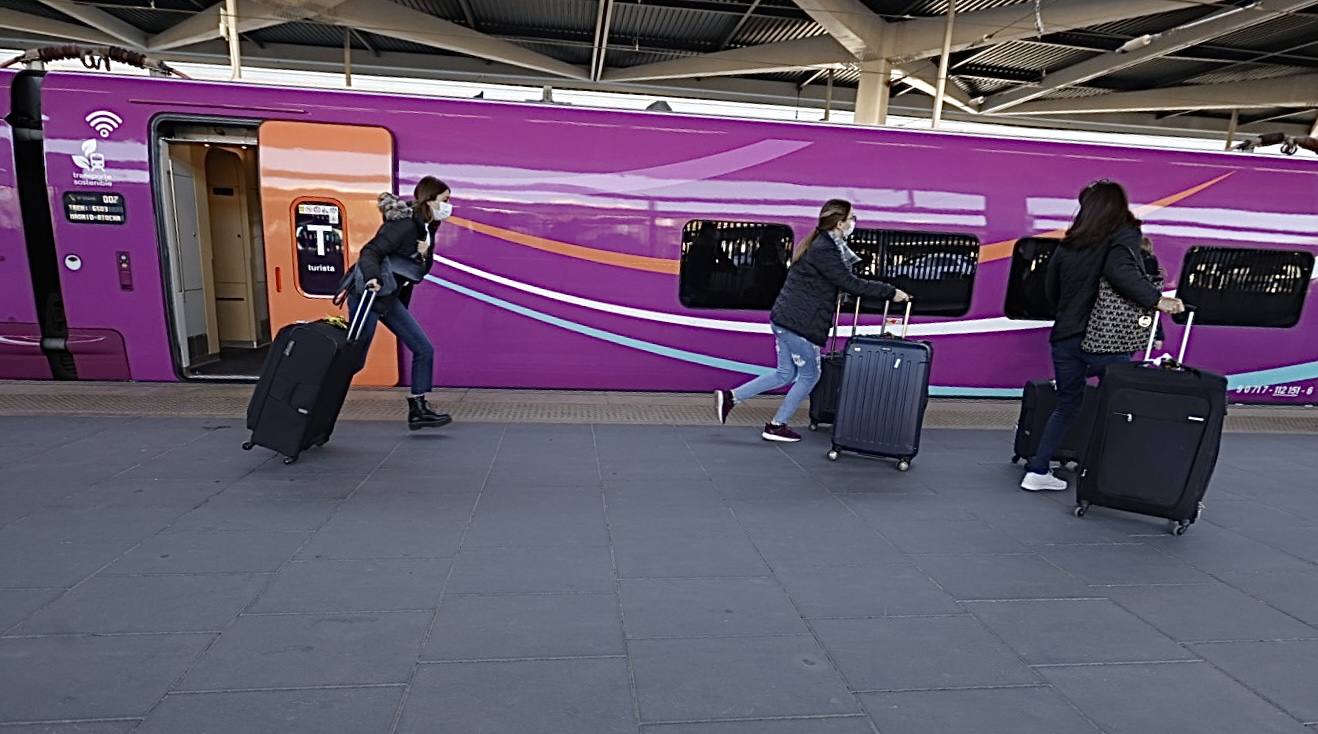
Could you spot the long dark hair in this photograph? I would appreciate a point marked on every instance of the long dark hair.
(831, 214)
(1104, 209)
(427, 190)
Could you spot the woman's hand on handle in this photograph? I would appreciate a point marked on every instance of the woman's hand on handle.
(373, 284)
(1170, 306)
(900, 296)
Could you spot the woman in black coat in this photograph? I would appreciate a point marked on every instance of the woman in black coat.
(408, 237)
(1102, 243)
(803, 315)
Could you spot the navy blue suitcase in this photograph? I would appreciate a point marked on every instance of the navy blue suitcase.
(1155, 443)
(885, 390)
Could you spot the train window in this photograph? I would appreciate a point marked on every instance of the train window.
(1026, 296)
(318, 228)
(1236, 286)
(937, 269)
(733, 265)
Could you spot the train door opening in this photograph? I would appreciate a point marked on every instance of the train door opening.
(215, 260)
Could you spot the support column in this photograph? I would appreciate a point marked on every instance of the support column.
(1231, 129)
(872, 96)
(347, 57)
(940, 94)
(828, 97)
(229, 21)
(1313, 131)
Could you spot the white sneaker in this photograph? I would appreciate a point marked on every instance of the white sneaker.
(1042, 482)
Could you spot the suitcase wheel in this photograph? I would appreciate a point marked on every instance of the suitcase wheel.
(289, 459)
(832, 455)
(1179, 527)
(1081, 509)
(903, 465)
(814, 426)
(247, 445)
(1015, 458)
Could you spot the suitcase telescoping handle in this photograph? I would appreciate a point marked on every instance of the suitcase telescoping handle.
(358, 324)
(906, 319)
(1185, 335)
(837, 317)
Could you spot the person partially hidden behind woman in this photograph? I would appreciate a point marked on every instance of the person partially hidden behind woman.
(408, 235)
(1102, 243)
(803, 315)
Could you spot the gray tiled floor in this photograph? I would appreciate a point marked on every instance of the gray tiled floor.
(665, 580)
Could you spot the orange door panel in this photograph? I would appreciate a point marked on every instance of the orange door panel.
(319, 185)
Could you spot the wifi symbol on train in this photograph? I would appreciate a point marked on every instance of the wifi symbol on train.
(104, 122)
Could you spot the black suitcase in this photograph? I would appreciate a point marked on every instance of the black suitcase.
(1037, 402)
(823, 398)
(303, 384)
(885, 390)
(1155, 443)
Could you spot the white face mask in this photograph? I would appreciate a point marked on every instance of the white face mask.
(848, 227)
(441, 210)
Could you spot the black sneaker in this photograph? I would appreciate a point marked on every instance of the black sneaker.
(725, 403)
(782, 434)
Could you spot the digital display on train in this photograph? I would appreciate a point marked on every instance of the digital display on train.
(99, 207)
(318, 238)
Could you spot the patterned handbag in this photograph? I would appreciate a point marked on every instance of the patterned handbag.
(1117, 325)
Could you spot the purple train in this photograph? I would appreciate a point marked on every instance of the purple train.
(159, 230)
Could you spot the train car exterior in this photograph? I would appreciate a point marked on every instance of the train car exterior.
(589, 249)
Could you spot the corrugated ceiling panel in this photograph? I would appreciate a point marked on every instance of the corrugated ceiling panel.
(760, 29)
(306, 34)
(1029, 56)
(685, 27)
(1275, 35)
(1243, 73)
(571, 17)
(1156, 23)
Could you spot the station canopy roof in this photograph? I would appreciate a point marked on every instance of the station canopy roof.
(1179, 66)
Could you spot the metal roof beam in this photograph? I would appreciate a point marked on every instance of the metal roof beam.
(1158, 45)
(396, 21)
(923, 37)
(923, 76)
(1289, 91)
(804, 53)
(852, 25)
(28, 23)
(126, 33)
(205, 25)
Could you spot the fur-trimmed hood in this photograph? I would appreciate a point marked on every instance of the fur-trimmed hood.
(394, 207)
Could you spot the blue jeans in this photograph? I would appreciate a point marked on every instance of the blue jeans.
(1071, 366)
(409, 332)
(798, 359)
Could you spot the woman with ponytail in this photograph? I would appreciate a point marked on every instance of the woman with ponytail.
(803, 315)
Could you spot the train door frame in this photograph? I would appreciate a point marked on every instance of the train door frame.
(165, 137)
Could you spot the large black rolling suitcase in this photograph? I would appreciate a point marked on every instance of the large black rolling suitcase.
(885, 390)
(823, 398)
(1155, 443)
(304, 383)
(1037, 402)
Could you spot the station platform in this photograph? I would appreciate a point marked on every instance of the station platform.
(599, 562)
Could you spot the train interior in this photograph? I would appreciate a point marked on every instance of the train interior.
(214, 250)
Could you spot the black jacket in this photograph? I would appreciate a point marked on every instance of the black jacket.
(1074, 273)
(808, 299)
(398, 237)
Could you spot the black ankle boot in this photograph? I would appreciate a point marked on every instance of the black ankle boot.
(419, 415)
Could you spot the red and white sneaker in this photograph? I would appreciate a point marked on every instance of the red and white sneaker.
(781, 434)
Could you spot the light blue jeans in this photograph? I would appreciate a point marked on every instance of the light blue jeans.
(798, 360)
